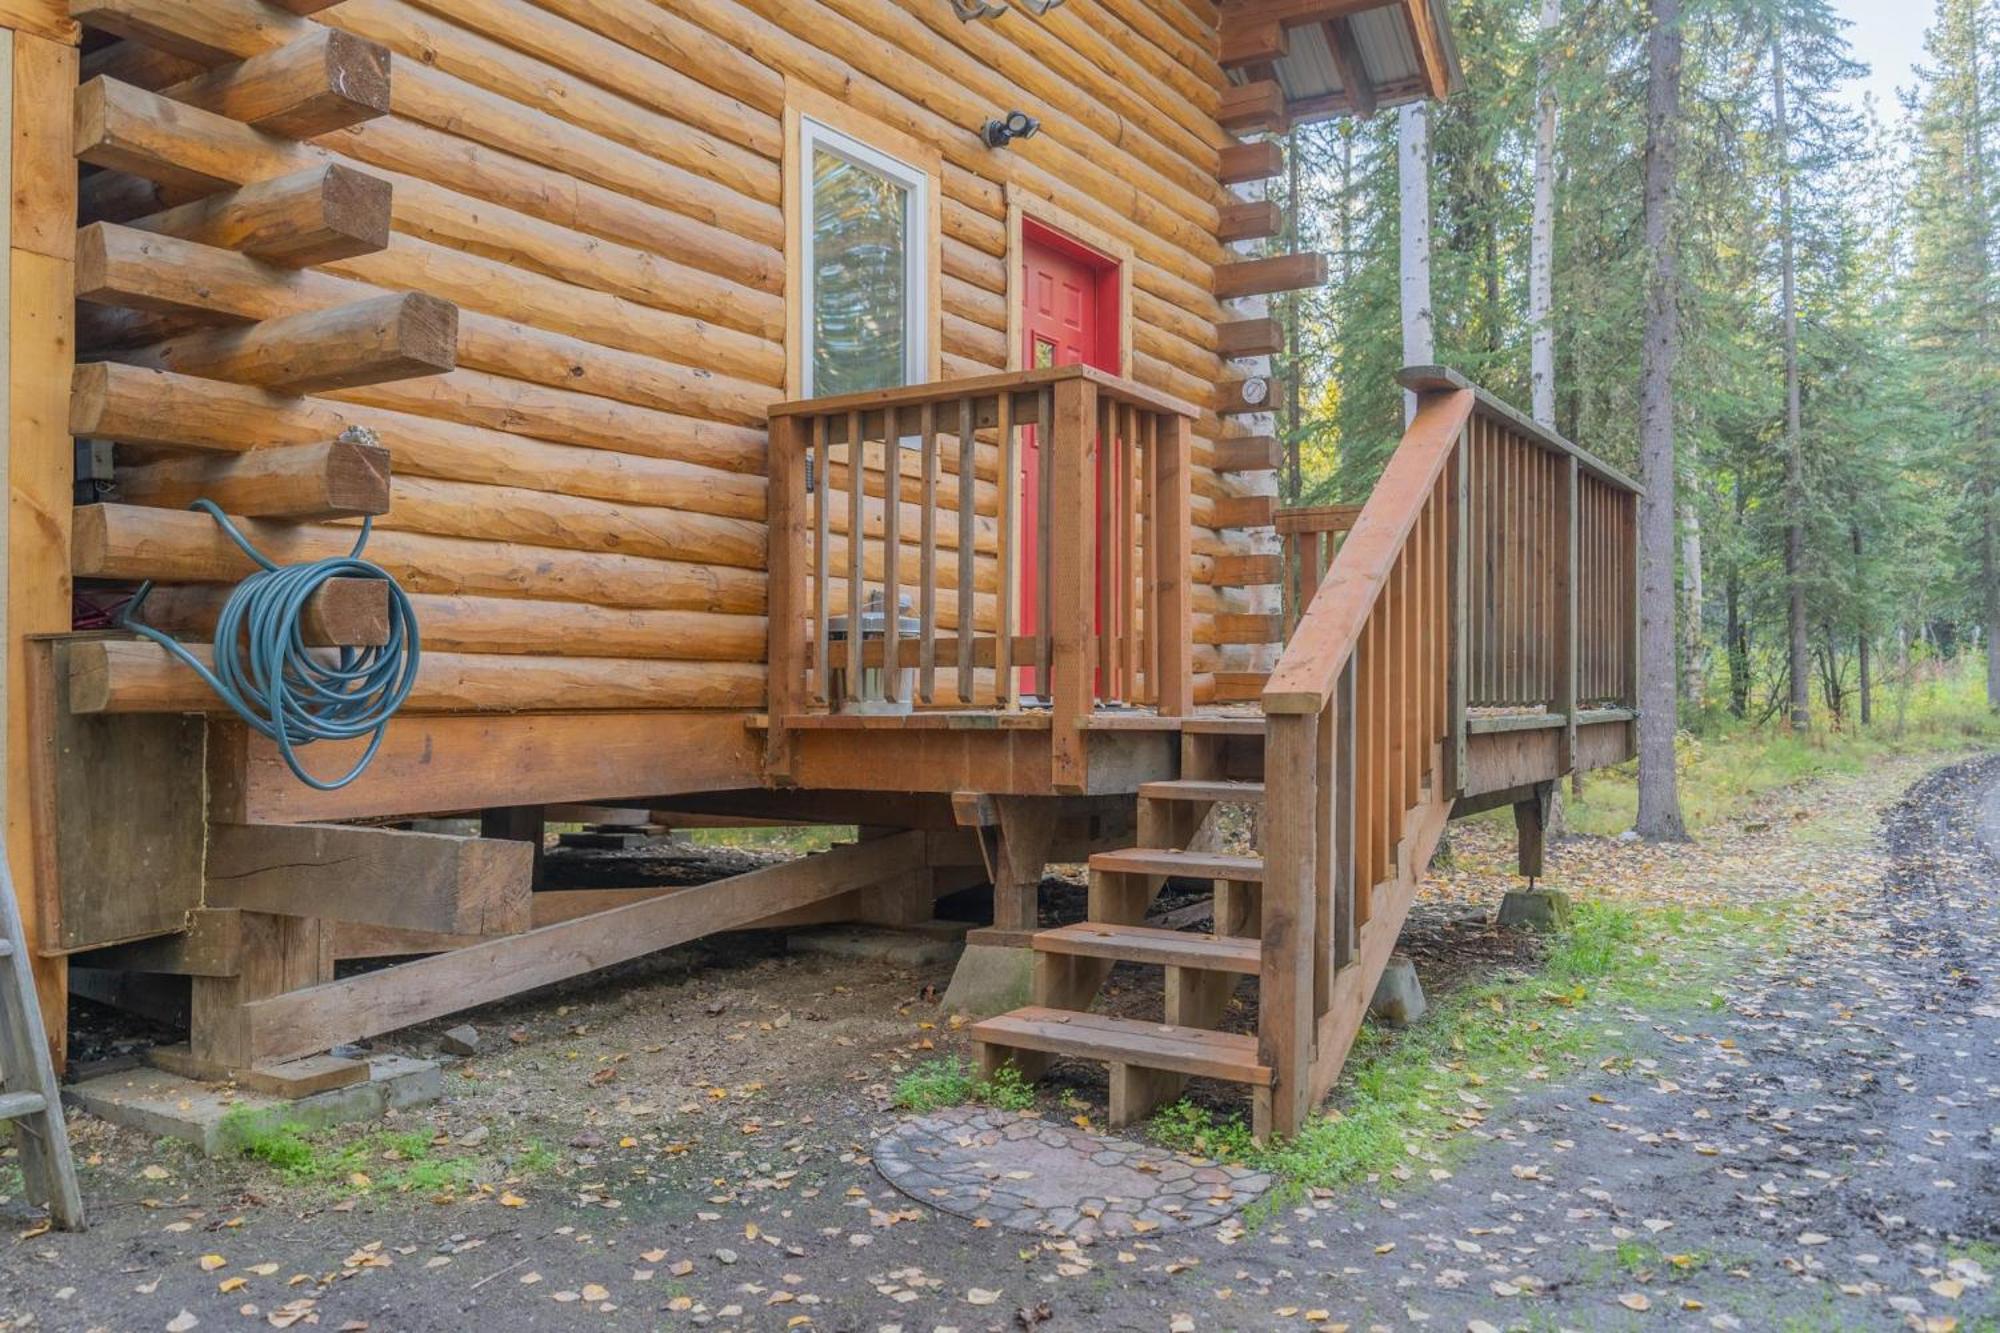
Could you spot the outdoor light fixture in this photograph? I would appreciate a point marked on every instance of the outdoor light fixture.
(1014, 125)
(968, 10)
(1041, 7)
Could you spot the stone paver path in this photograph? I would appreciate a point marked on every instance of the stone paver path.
(1027, 1174)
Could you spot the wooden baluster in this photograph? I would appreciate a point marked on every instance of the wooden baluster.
(927, 435)
(1326, 789)
(1171, 596)
(1006, 685)
(1344, 800)
(1459, 561)
(1128, 591)
(822, 571)
(1409, 608)
(857, 565)
(1107, 565)
(892, 556)
(968, 580)
(1045, 428)
(1149, 570)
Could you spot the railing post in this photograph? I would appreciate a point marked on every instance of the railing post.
(1630, 628)
(1173, 662)
(1285, 1008)
(1568, 631)
(784, 644)
(1072, 561)
(1459, 601)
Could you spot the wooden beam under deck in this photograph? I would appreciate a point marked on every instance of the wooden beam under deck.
(306, 1021)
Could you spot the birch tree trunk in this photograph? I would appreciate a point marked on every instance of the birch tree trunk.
(1541, 234)
(1413, 175)
(1795, 476)
(1659, 797)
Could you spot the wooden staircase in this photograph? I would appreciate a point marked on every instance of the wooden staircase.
(1149, 1061)
(1356, 767)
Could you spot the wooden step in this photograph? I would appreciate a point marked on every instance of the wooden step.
(1197, 789)
(1151, 944)
(14, 1105)
(1187, 865)
(1126, 1041)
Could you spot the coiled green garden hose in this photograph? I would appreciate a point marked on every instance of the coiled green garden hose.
(265, 672)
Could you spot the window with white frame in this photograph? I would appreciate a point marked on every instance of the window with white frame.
(865, 273)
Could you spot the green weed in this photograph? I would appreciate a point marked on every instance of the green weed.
(947, 1081)
(387, 1161)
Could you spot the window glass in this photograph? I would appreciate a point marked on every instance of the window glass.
(860, 257)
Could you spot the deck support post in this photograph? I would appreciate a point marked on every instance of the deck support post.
(1072, 565)
(274, 954)
(1285, 1009)
(516, 823)
(1531, 827)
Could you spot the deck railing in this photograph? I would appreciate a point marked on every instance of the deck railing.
(1490, 566)
(1309, 537)
(1087, 606)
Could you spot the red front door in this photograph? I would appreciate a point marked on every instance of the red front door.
(1070, 316)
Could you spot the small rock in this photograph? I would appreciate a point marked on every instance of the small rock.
(725, 1256)
(461, 1040)
(589, 1138)
(472, 1138)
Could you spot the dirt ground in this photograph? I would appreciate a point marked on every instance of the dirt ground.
(685, 1142)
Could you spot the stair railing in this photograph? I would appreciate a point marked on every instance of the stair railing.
(1491, 567)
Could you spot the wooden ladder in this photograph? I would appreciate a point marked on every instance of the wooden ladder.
(28, 1095)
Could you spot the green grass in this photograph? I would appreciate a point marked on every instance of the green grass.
(383, 1161)
(800, 840)
(1401, 1090)
(1724, 765)
(947, 1081)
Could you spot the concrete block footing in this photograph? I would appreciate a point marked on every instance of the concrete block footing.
(1399, 999)
(1535, 909)
(212, 1116)
(991, 979)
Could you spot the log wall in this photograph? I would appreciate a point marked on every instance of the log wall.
(596, 185)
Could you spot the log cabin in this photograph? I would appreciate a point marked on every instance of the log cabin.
(814, 411)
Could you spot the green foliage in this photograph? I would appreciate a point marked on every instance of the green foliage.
(1894, 219)
(1730, 765)
(382, 1161)
(947, 1081)
(1398, 1091)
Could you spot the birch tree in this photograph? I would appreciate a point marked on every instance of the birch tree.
(1413, 168)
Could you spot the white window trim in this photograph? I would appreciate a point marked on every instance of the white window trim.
(817, 135)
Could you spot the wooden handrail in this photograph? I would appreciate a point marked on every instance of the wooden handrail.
(985, 386)
(1303, 681)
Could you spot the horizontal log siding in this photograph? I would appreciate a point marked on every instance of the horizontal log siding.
(596, 184)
